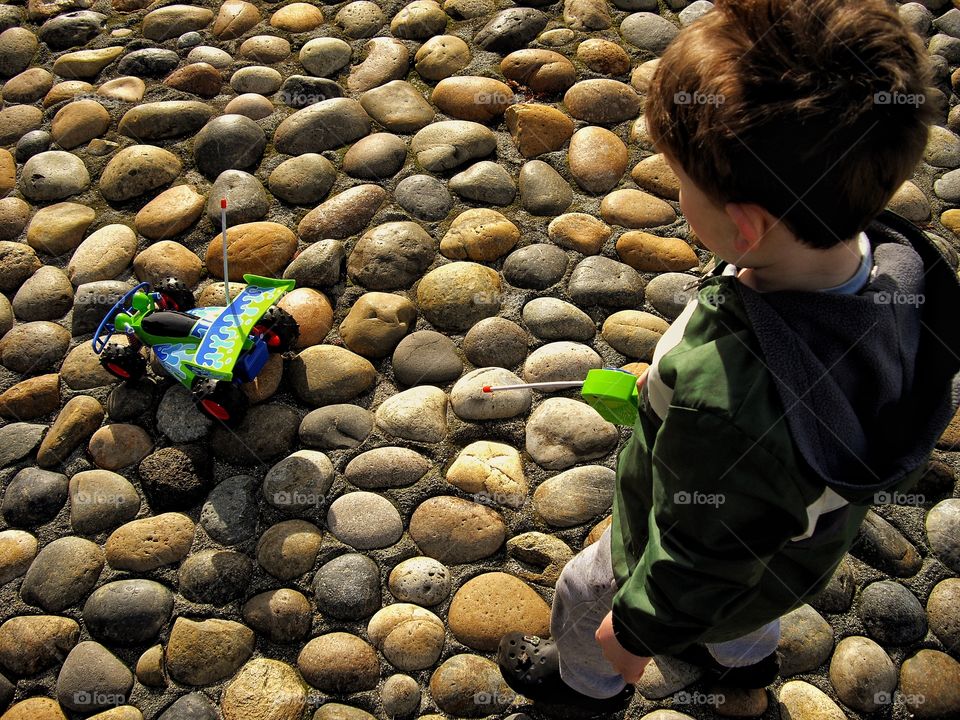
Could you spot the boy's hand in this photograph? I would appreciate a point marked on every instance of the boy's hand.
(629, 666)
(642, 379)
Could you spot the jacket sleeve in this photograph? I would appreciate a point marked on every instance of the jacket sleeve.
(722, 507)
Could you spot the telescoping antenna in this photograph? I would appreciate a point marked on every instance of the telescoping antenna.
(555, 385)
(223, 225)
(612, 392)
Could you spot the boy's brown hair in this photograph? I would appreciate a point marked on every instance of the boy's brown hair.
(815, 110)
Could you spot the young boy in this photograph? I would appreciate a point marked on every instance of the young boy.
(816, 366)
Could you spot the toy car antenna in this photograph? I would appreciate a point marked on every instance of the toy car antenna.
(223, 225)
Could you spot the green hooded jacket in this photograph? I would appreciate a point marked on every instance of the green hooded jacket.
(785, 415)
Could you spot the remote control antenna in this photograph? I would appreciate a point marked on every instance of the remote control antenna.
(223, 225)
(556, 385)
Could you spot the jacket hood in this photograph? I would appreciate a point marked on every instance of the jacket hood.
(870, 380)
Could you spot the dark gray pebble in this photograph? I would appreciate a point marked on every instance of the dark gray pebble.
(34, 497)
(348, 587)
(535, 267)
(128, 612)
(424, 197)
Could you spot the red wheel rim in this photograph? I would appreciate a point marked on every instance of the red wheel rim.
(117, 370)
(215, 409)
(268, 335)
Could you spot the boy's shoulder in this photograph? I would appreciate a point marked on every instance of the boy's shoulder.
(841, 374)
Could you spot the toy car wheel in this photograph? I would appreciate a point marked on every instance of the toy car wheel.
(278, 329)
(123, 361)
(174, 295)
(220, 400)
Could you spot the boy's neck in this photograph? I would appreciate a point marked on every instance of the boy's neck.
(801, 267)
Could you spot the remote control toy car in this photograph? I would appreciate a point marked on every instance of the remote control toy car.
(210, 350)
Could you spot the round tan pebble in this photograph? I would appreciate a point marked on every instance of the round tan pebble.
(14, 214)
(463, 681)
(633, 333)
(85, 63)
(656, 176)
(27, 87)
(578, 231)
(121, 712)
(201, 79)
(642, 75)
(441, 56)
(400, 695)
(261, 248)
(542, 71)
(597, 158)
(126, 89)
(930, 683)
(556, 37)
(119, 445)
(77, 421)
(602, 101)
(313, 313)
(297, 17)
(454, 531)
(35, 708)
(603, 56)
(491, 605)
(30, 398)
(339, 663)
(66, 90)
(267, 382)
(651, 253)
(106, 253)
(30, 644)
(17, 120)
(803, 701)
(168, 259)
(18, 548)
(8, 171)
(409, 636)
(479, 234)
(283, 616)
(150, 670)
(150, 543)
(491, 469)
(205, 652)
(170, 213)
(266, 690)
(338, 711)
(419, 20)
(458, 295)
(234, 19)
(81, 370)
(137, 170)
(289, 548)
(537, 129)
(252, 105)
(910, 202)
(375, 157)
(376, 322)
(17, 48)
(636, 209)
(265, 49)
(57, 229)
(327, 374)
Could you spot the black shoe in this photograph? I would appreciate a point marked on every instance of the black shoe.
(749, 677)
(530, 665)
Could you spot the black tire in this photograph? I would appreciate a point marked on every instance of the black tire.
(278, 329)
(123, 361)
(220, 400)
(174, 295)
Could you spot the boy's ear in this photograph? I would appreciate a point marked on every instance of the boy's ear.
(752, 223)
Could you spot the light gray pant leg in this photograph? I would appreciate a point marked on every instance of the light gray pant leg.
(748, 649)
(584, 595)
